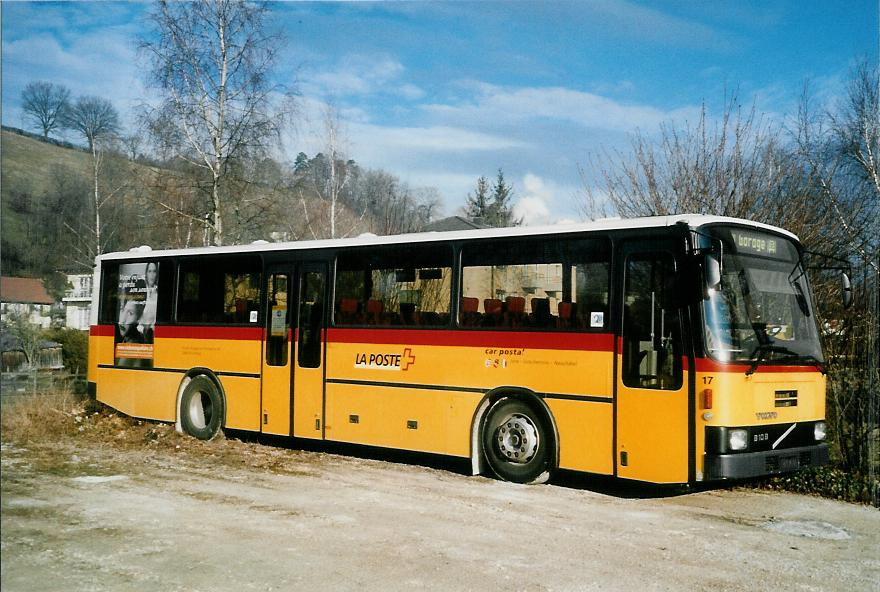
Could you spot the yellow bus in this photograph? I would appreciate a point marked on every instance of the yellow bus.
(666, 349)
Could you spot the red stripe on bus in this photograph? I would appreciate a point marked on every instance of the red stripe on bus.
(102, 330)
(184, 332)
(708, 365)
(501, 339)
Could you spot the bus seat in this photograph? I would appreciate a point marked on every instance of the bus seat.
(470, 315)
(375, 308)
(516, 306)
(492, 306)
(408, 314)
(348, 311)
(241, 308)
(541, 316)
(565, 310)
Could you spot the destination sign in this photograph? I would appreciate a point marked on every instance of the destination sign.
(760, 244)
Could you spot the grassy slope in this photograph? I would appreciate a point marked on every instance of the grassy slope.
(26, 167)
(26, 163)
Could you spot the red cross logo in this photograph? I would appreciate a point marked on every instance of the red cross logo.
(408, 359)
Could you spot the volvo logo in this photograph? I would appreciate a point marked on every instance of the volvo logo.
(766, 415)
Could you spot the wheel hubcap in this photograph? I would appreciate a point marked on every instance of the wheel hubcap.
(517, 439)
(200, 410)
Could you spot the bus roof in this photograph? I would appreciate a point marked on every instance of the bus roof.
(693, 220)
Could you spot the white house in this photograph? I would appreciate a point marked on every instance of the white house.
(78, 301)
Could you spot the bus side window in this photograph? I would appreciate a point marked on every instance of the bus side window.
(219, 291)
(590, 283)
(651, 330)
(409, 287)
(311, 319)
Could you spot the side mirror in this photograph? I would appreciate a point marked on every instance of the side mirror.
(711, 272)
(846, 288)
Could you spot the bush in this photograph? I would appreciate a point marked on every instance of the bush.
(830, 482)
(74, 348)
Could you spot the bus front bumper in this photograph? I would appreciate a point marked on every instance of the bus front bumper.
(770, 462)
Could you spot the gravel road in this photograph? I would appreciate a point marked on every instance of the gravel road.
(93, 516)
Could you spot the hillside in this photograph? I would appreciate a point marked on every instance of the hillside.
(43, 186)
(46, 189)
(26, 163)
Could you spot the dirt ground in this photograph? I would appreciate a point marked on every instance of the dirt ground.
(123, 505)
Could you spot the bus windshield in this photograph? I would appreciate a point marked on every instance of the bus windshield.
(762, 310)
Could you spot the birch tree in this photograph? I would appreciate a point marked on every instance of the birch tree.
(211, 62)
(97, 121)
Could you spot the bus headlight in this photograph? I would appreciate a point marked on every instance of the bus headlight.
(819, 430)
(738, 439)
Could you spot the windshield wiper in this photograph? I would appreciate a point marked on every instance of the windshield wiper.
(767, 348)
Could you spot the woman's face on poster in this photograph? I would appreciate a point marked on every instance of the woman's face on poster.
(152, 274)
(129, 314)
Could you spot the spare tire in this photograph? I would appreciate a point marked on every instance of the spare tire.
(201, 408)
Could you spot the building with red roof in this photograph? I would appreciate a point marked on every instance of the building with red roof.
(26, 296)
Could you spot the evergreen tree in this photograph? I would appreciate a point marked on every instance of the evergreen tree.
(301, 164)
(478, 206)
(501, 208)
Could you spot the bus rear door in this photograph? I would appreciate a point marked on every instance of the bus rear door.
(308, 365)
(293, 359)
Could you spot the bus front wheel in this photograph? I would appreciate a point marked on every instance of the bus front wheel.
(201, 408)
(516, 442)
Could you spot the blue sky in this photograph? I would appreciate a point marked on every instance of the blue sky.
(441, 93)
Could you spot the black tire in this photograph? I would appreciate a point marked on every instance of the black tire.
(201, 408)
(517, 442)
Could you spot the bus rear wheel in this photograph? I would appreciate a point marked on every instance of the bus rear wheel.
(201, 408)
(516, 442)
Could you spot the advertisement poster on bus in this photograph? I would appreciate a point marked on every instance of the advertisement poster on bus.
(138, 296)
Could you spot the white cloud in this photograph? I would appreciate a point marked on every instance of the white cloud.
(357, 75)
(410, 91)
(429, 138)
(367, 138)
(509, 105)
(534, 206)
(543, 202)
(532, 210)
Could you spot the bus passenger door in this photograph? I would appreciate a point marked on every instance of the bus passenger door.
(277, 349)
(652, 388)
(308, 363)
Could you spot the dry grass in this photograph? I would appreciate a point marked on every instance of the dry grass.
(40, 416)
(45, 421)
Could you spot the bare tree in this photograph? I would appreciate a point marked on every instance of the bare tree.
(840, 148)
(97, 120)
(330, 187)
(44, 103)
(92, 117)
(29, 335)
(733, 166)
(211, 60)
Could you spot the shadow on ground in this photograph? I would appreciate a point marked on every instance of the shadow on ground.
(601, 484)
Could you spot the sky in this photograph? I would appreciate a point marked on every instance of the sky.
(440, 93)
